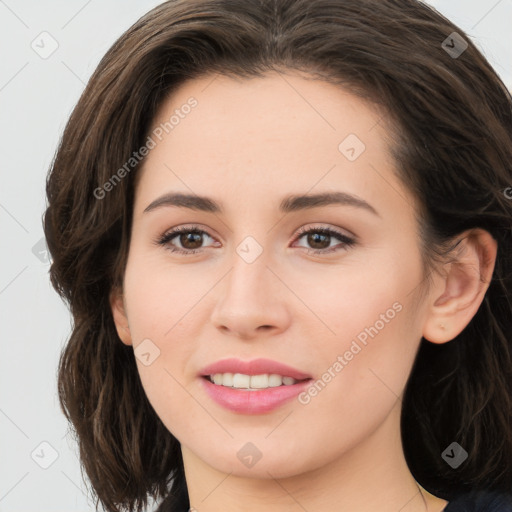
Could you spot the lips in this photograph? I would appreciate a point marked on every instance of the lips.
(253, 401)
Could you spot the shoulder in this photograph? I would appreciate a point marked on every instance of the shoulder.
(481, 501)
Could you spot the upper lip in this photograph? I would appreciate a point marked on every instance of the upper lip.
(253, 367)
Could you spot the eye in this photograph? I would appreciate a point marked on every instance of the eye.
(321, 237)
(191, 238)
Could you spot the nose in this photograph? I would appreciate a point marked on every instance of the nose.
(251, 300)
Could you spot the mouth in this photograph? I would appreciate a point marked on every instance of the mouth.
(252, 387)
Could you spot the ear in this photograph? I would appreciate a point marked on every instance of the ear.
(119, 314)
(461, 290)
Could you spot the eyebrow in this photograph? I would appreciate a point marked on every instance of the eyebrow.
(289, 204)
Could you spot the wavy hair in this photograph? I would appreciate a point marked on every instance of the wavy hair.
(452, 120)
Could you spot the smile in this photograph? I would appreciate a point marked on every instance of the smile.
(252, 387)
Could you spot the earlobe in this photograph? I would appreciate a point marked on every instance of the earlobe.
(463, 287)
(120, 318)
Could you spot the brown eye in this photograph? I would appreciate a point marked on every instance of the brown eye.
(185, 240)
(190, 240)
(319, 240)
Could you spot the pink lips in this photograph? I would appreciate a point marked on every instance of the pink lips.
(257, 401)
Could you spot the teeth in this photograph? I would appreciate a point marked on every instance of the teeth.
(274, 380)
(242, 381)
(218, 378)
(258, 381)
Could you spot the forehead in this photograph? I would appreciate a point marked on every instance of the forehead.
(272, 132)
(267, 104)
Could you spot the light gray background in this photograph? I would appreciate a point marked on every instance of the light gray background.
(36, 97)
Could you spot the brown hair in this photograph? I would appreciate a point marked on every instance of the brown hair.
(453, 150)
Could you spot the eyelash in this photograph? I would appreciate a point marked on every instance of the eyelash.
(347, 242)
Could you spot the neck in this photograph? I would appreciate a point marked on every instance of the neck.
(372, 475)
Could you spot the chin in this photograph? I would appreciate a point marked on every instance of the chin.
(247, 463)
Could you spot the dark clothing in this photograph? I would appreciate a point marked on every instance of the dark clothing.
(476, 501)
(481, 501)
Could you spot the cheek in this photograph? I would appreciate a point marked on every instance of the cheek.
(356, 301)
(359, 385)
(160, 305)
(161, 296)
(367, 354)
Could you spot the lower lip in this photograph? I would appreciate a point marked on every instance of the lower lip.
(253, 402)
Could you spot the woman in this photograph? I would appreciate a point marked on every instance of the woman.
(284, 232)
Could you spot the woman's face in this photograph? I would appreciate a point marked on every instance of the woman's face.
(338, 308)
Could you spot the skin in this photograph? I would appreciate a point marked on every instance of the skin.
(247, 144)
